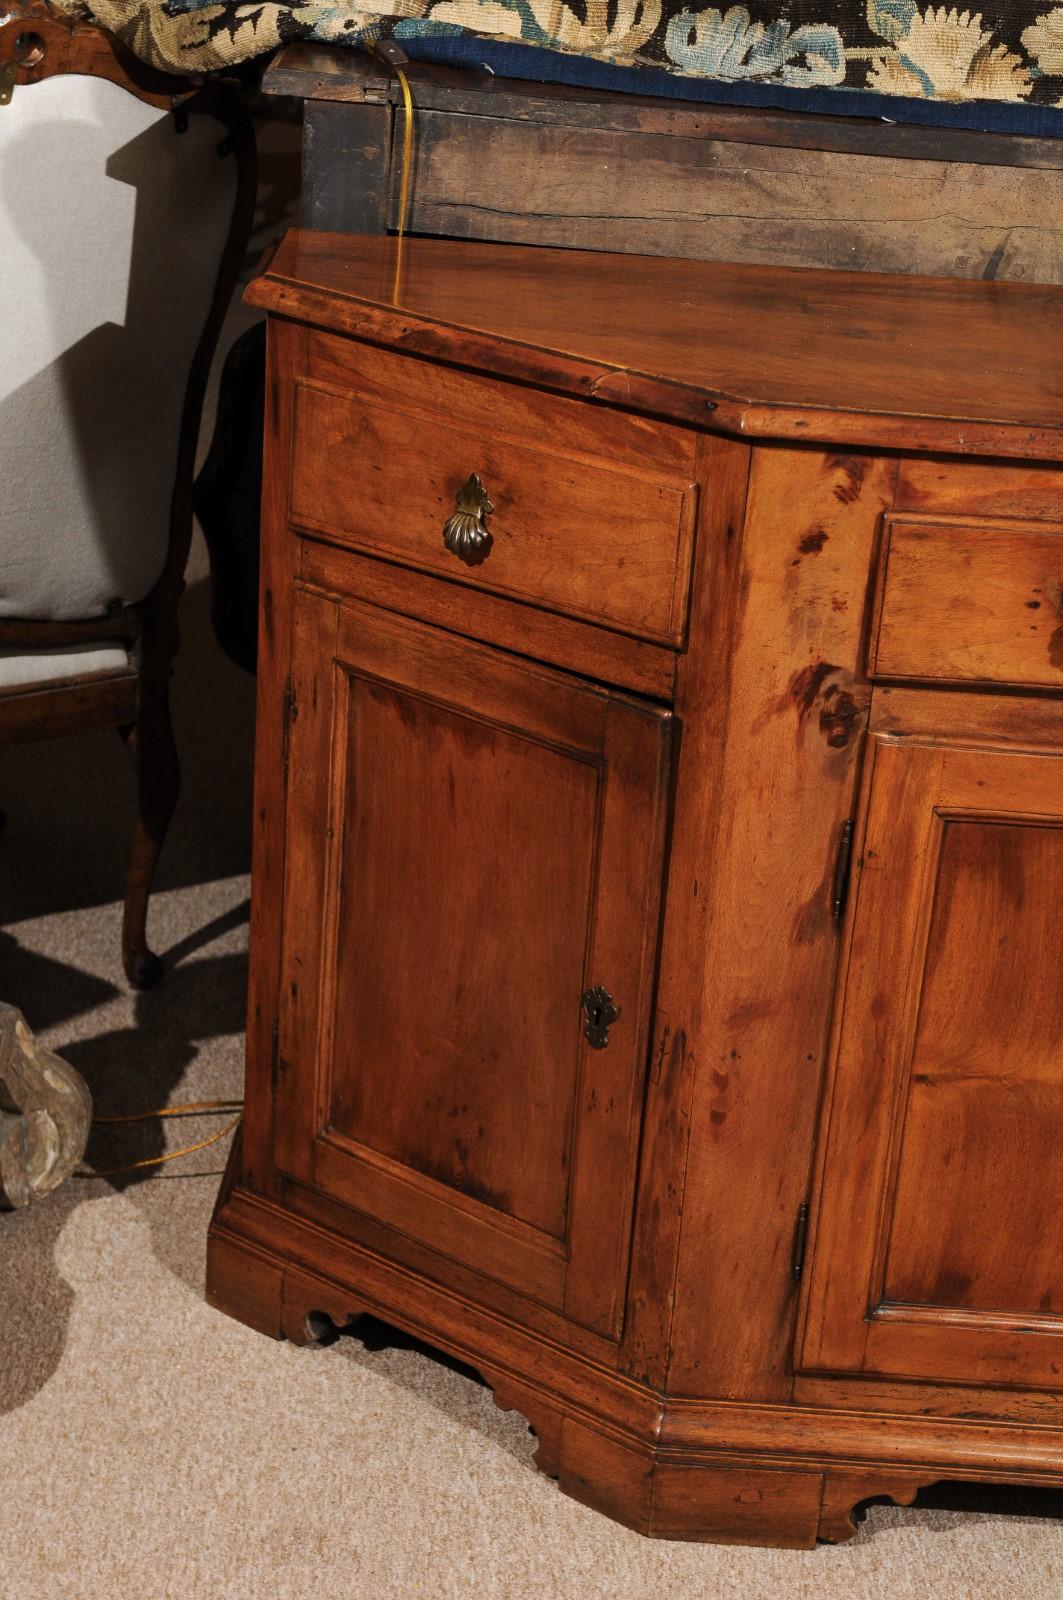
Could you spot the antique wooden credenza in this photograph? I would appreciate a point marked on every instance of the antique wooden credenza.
(656, 990)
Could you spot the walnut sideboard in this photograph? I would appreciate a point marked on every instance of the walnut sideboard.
(657, 949)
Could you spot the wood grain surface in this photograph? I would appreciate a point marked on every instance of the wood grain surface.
(970, 602)
(663, 194)
(979, 488)
(758, 351)
(788, 727)
(611, 658)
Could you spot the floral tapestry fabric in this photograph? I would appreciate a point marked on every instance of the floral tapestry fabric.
(1011, 52)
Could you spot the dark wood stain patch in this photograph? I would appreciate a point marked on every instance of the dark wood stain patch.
(806, 685)
(813, 543)
(851, 469)
(839, 714)
(1055, 648)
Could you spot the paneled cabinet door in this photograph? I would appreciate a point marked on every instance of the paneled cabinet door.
(937, 1251)
(474, 844)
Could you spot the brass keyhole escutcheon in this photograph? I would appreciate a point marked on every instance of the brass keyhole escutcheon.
(465, 533)
(600, 1011)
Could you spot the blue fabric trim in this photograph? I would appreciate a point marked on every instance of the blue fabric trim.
(554, 66)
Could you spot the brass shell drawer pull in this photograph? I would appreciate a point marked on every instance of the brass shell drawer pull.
(466, 533)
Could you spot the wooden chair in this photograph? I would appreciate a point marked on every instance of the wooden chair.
(125, 206)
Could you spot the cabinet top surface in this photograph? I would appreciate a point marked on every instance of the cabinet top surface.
(770, 352)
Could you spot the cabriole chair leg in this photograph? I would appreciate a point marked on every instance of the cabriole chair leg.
(152, 744)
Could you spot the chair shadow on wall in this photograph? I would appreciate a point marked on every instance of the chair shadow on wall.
(90, 415)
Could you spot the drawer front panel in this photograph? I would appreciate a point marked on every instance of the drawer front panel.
(980, 489)
(607, 542)
(555, 640)
(500, 407)
(967, 602)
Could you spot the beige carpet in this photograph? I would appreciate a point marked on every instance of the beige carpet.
(152, 1449)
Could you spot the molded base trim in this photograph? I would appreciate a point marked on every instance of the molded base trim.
(722, 1471)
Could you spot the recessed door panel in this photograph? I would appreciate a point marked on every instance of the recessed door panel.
(468, 880)
(979, 1166)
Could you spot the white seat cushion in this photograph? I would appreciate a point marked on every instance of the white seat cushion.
(45, 666)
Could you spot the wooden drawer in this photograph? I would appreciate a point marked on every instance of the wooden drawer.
(980, 489)
(597, 653)
(594, 510)
(970, 602)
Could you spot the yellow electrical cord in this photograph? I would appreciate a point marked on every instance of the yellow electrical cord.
(194, 1108)
(407, 171)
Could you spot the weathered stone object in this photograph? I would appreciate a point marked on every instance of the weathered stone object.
(45, 1114)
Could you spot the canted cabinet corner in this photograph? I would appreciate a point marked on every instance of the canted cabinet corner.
(656, 997)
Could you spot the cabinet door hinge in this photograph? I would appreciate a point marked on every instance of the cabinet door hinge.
(843, 871)
(797, 1264)
(287, 716)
